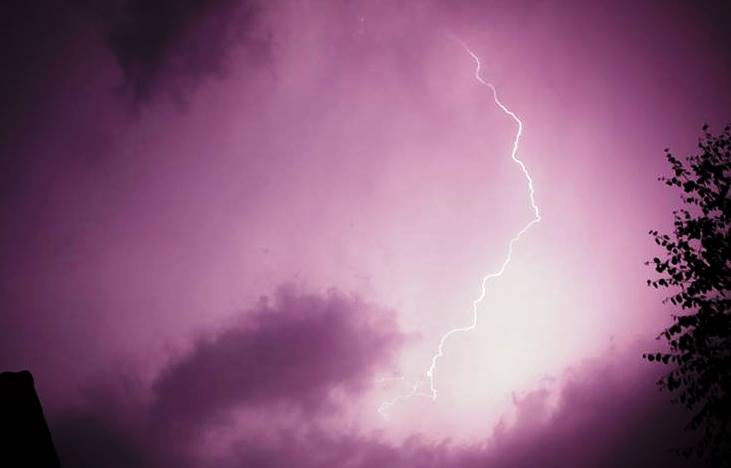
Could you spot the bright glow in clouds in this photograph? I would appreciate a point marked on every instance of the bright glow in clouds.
(430, 373)
(348, 147)
(536, 219)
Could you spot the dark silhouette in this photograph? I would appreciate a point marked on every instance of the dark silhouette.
(25, 440)
(696, 269)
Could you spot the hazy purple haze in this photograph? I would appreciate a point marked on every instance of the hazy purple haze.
(228, 227)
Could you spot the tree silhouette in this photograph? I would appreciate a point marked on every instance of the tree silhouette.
(696, 271)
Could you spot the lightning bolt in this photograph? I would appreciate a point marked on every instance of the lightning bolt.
(431, 371)
(414, 391)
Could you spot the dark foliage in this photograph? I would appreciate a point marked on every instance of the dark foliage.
(696, 270)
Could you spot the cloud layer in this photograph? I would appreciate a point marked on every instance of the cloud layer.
(606, 412)
(187, 41)
(343, 146)
(301, 356)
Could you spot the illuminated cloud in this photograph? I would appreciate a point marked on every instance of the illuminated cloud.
(605, 412)
(294, 353)
(343, 146)
(291, 358)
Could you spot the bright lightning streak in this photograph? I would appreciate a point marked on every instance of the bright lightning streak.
(536, 219)
(386, 405)
(430, 372)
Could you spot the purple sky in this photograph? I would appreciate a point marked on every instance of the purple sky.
(230, 227)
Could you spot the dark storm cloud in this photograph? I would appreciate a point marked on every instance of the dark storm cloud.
(610, 414)
(607, 413)
(290, 355)
(159, 45)
(182, 41)
(293, 353)
(55, 61)
(61, 299)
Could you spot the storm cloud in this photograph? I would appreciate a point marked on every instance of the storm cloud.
(293, 354)
(346, 148)
(605, 412)
(163, 41)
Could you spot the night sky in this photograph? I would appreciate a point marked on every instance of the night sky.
(231, 230)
